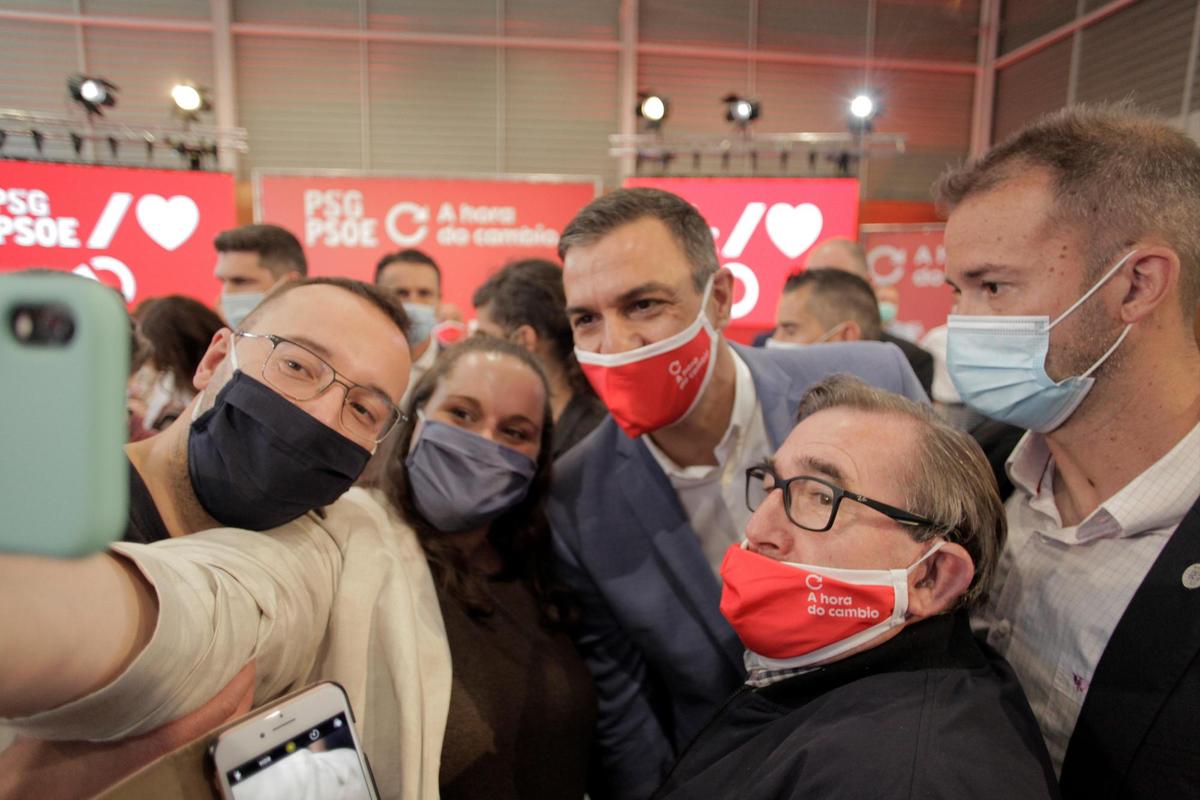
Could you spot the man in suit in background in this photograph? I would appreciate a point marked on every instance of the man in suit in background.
(1074, 252)
(644, 509)
(849, 256)
(826, 305)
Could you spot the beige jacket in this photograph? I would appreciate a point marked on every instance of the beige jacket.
(347, 598)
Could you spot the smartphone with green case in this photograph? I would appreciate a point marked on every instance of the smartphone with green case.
(64, 364)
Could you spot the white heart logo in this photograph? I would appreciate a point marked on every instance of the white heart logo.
(169, 223)
(793, 229)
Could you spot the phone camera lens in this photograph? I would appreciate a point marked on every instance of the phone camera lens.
(23, 324)
(50, 324)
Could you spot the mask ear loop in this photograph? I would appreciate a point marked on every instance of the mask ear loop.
(1080, 302)
(901, 581)
(1095, 288)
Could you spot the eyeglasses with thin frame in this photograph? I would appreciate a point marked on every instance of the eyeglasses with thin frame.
(300, 374)
(812, 503)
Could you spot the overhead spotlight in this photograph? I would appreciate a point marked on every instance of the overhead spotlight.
(92, 93)
(39, 140)
(114, 146)
(190, 100)
(77, 144)
(863, 110)
(740, 111)
(652, 108)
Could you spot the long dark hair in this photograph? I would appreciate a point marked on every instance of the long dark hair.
(530, 292)
(175, 332)
(520, 535)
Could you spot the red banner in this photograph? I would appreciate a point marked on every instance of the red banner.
(763, 228)
(911, 258)
(469, 227)
(145, 232)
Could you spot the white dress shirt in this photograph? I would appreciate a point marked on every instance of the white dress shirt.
(714, 497)
(1060, 591)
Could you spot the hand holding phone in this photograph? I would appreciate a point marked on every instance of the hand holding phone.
(64, 357)
(303, 746)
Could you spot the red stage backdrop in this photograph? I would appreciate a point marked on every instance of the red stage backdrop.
(471, 227)
(913, 259)
(763, 229)
(146, 232)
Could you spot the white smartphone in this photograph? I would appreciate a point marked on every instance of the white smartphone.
(302, 746)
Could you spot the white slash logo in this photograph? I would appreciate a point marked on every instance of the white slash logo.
(169, 223)
(792, 229)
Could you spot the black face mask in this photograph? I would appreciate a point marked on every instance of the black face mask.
(256, 461)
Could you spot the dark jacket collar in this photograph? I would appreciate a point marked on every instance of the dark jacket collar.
(942, 642)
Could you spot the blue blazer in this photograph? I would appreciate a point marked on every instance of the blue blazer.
(662, 656)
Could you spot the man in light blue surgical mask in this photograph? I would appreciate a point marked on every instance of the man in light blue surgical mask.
(1074, 253)
(415, 280)
(252, 260)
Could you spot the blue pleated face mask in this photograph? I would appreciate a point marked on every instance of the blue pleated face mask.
(461, 480)
(998, 365)
(421, 321)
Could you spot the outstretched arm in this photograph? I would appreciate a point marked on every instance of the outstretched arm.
(64, 770)
(68, 627)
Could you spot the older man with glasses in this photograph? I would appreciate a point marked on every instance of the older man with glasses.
(874, 528)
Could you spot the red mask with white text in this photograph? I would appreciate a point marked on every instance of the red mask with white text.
(805, 614)
(659, 384)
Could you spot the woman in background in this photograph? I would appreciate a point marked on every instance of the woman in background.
(471, 477)
(172, 334)
(524, 303)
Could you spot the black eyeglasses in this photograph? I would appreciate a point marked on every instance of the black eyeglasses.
(812, 503)
(300, 374)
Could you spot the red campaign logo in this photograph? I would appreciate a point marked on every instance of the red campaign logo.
(144, 232)
(469, 227)
(763, 228)
(911, 258)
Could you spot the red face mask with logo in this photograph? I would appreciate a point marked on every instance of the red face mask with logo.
(659, 384)
(798, 615)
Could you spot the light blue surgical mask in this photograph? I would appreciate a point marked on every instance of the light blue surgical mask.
(888, 311)
(421, 319)
(236, 307)
(998, 365)
(460, 480)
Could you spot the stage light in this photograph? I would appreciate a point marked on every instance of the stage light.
(187, 98)
(77, 144)
(39, 140)
(862, 107)
(863, 111)
(92, 93)
(652, 108)
(741, 111)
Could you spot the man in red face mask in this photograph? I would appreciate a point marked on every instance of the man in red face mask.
(874, 527)
(644, 509)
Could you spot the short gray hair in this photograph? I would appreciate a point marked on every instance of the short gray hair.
(1118, 175)
(949, 482)
(689, 229)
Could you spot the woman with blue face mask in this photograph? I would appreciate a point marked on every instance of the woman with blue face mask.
(470, 475)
